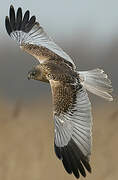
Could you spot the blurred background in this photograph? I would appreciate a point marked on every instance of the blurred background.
(88, 32)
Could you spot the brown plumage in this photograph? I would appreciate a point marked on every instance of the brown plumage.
(71, 105)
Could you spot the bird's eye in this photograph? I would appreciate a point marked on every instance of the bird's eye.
(33, 73)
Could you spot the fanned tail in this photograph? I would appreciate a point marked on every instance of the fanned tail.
(97, 82)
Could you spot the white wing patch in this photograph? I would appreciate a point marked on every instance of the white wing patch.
(76, 125)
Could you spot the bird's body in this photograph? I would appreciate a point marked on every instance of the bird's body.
(71, 105)
(64, 81)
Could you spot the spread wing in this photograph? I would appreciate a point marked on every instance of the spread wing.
(73, 121)
(31, 37)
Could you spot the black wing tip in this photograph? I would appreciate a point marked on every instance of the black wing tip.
(19, 9)
(7, 25)
(11, 6)
(73, 159)
(57, 151)
(12, 22)
(6, 18)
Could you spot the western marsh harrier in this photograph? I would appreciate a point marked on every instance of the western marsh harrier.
(71, 105)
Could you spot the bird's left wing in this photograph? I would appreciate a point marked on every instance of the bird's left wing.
(72, 116)
(31, 37)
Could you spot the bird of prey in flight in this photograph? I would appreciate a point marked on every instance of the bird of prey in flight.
(71, 105)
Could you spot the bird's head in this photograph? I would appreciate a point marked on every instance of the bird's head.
(33, 74)
(37, 74)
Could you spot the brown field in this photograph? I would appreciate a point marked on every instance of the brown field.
(26, 143)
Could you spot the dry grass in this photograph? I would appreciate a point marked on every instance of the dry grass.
(26, 143)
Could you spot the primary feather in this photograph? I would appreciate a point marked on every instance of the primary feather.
(26, 31)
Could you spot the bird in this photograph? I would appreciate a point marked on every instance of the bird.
(71, 105)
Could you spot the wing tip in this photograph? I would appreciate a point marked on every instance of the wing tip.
(7, 25)
(11, 9)
(12, 22)
(57, 151)
(74, 161)
(11, 6)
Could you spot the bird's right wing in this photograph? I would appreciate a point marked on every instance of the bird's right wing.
(73, 121)
(31, 37)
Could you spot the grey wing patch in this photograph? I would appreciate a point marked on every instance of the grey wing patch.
(37, 36)
(75, 124)
(73, 132)
(27, 31)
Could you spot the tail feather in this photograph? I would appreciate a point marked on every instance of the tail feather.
(97, 82)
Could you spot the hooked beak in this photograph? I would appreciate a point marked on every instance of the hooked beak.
(29, 76)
